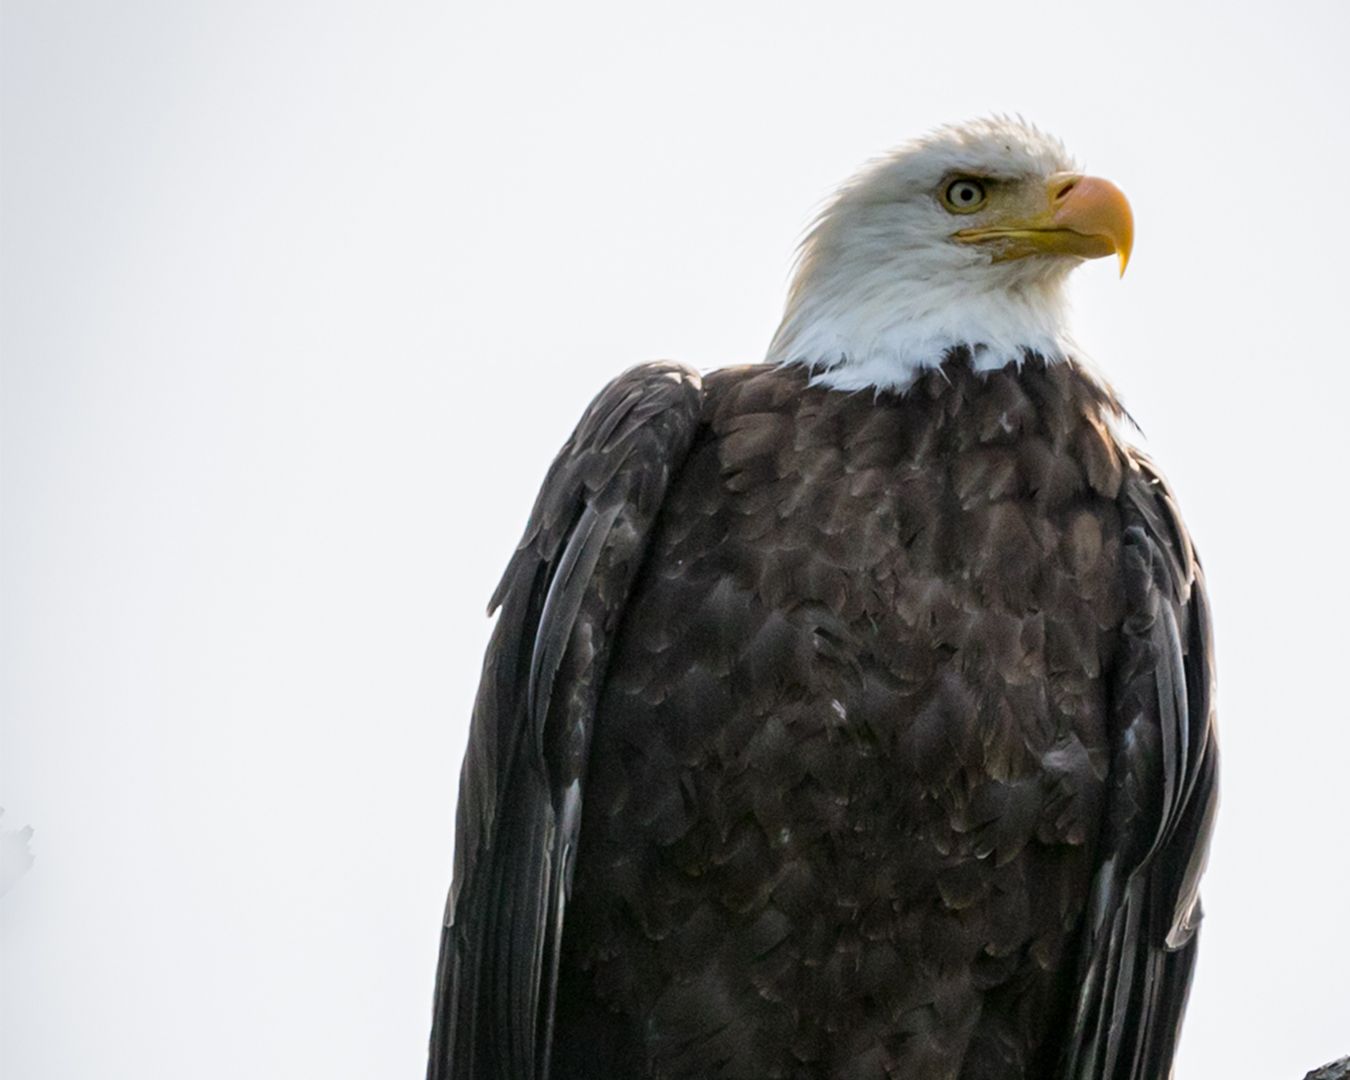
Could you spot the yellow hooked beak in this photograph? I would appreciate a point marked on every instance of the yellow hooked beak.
(1082, 215)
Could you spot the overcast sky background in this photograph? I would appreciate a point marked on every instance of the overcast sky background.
(300, 298)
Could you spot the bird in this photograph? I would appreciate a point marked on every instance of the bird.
(850, 714)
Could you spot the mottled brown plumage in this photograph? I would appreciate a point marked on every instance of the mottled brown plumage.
(836, 735)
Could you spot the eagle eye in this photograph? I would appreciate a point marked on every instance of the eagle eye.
(964, 195)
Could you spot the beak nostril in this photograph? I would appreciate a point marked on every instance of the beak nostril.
(1063, 192)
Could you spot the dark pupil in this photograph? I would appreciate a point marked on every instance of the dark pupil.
(966, 194)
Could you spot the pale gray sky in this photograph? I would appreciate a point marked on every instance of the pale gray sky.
(299, 300)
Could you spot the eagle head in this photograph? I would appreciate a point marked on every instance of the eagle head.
(962, 238)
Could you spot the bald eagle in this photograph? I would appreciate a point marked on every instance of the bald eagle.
(849, 715)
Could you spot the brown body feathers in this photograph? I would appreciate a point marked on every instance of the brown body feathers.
(833, 735)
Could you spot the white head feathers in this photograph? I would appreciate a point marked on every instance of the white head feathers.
(881, 290)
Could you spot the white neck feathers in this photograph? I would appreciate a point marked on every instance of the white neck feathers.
(871, 331)
(868, 308)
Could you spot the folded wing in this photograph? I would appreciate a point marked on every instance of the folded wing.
(560, 600)
(1140, 934)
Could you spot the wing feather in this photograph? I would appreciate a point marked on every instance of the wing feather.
(561, 600)
(1140, 940)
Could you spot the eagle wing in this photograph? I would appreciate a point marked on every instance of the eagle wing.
(1140, 931)
(560, 601)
